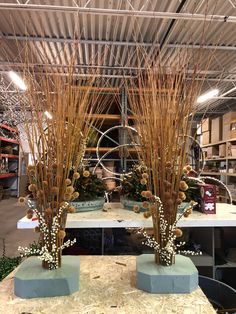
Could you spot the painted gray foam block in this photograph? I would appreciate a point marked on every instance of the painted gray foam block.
(182, 277)
(33, 281)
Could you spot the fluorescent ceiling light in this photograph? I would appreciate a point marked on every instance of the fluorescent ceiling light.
(17, 80)
(48, 115)
(208, 95)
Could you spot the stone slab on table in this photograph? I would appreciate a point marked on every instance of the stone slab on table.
(107, 285)
(117, 217)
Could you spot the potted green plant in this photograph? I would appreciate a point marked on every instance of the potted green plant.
(89, 192)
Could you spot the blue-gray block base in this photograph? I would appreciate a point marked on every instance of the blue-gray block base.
(181, 277)
(33, 281)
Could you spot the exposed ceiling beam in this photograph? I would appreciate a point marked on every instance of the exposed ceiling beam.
(118, 12)
(111, 43)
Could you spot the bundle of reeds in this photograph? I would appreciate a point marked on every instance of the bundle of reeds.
(59, 114)
(163, 100)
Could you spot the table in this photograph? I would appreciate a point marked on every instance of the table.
(107, 285)
(117, 217)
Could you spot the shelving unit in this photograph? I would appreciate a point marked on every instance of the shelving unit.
(9, 160)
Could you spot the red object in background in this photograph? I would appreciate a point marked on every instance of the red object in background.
(208, 198)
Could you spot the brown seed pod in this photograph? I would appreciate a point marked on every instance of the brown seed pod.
(153, 208)
(75, 195)
(70, 189)
(55, 190)
(178, 233)
(76, 175)
(168, 164)
(136, 209)
(147, 214)
(61, 234)
(21, 200)
(32, 188)
(40, 193)
(71, 209)
(86, 173)
(67, 181)
(67, 197)
(143, 181)
(148, 194)
(182, 196)
(36, 229)
(145, 176)
(143, 193)
(145, 204)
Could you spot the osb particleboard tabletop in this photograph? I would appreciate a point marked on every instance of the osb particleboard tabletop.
(107, 285)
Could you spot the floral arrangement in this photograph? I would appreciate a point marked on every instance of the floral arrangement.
(59, 117)
(133, 184)
(88, 186)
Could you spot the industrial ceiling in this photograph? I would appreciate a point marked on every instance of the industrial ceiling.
(109, 32)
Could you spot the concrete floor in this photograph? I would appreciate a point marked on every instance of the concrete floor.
(10, 213)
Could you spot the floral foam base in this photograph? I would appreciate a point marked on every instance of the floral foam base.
(33, 281)
(181, 277)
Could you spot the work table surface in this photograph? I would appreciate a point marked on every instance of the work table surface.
(107, 285)
(117, 217)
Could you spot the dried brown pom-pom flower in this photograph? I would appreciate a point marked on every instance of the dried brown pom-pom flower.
(182, 196)
(145, 176)
(32, 188)
(55, 190)
(136, 209)
(45, 184)
(70, 189)
(75, 195)
(76, 175)
(86, 173)
(61, 234)
(148, 194)
(21, 199)
(189, 168)
(40, 193)
(67, 181)
(37, 229)
(145, 204)
(143, 181)
(143, 193)
(178, 233)
(67, 196)
(71, 209)
(183, 186)
(147, 214)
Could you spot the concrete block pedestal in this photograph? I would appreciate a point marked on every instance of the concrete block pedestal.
(33, 281)
(181, 277)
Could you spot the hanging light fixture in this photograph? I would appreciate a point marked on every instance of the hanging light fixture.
(17, 80)
(207, 96)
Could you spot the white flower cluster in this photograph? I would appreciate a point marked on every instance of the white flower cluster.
(168, 236)
(50, 250)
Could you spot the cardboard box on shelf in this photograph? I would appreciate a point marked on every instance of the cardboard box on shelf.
(206, 138)
(233, 128)
(212, 151)
(227, 118)
(216, 129)
(233, 150)
(222, 150)
(206, 126)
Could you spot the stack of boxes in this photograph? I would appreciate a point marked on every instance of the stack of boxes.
(206, 134)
